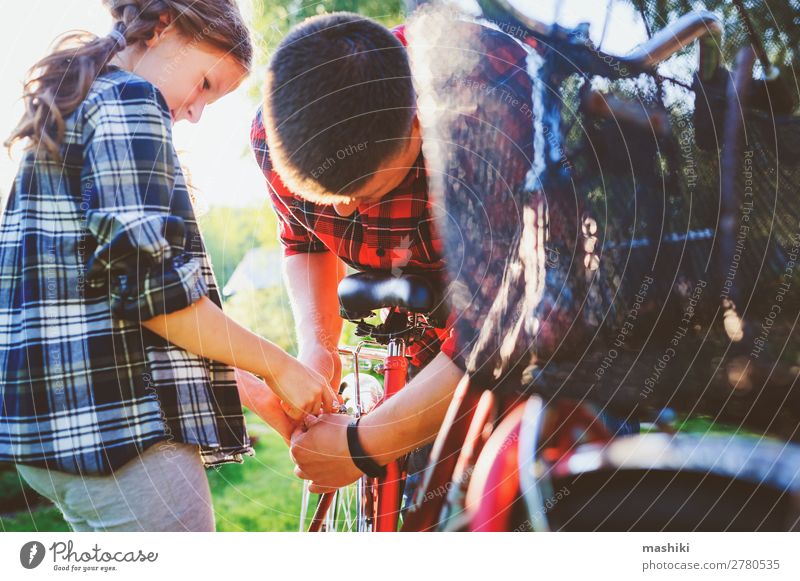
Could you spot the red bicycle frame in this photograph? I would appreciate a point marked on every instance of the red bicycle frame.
(423, 515)
(467, 423)
(388, 490)
(390, 487)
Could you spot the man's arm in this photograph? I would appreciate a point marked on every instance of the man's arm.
(312, 279)
(408, 420)
(413, 416)
(311, 271)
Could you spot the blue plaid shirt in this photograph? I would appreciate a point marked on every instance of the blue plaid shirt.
(90, 246)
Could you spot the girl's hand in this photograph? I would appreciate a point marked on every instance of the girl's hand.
(259, 398)
(304, 391)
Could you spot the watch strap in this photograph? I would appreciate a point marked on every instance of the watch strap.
(361, 459)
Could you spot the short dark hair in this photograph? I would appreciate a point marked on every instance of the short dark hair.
(339, 102)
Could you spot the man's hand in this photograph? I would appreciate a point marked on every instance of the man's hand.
(311, 279)
(304, 391)
(325, 362)
(322, 455)
(402, 423)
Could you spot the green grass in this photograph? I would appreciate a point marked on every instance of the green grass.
(36, 517)
(42, 519)
(705, 425)
(262, 494)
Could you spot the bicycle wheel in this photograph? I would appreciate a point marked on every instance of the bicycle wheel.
(350, 509)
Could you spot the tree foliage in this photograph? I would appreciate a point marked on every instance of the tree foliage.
(229, 233)
(777, 22)
(273, 18)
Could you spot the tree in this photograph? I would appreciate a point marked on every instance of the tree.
(273, 18)
(776, 21)
(229, 233)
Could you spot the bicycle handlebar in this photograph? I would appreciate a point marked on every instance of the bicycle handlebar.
(681, 33)
(702, 25)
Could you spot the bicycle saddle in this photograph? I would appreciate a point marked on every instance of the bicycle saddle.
(362, 293)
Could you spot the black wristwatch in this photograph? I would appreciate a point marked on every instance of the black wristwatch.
(361, 459)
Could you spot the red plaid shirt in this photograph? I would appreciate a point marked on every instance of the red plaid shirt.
(396, 234)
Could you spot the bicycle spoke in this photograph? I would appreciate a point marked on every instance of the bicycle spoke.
(304, 506)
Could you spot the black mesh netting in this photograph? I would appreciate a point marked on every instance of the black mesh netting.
(638, 283)
(776, 23)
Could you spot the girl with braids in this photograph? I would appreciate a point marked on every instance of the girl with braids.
(120, 376)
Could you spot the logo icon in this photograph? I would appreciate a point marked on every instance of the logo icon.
(31, 554)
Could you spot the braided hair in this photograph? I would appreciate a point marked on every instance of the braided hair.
(58, 83)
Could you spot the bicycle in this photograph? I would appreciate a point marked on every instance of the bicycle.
(415, 304)
(521, 424)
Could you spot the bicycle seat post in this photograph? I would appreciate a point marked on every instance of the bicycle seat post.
(396, 366)
(415, 304)
(390, 487)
